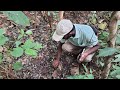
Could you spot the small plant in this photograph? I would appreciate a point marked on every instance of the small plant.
(17, 66)
(3, 39)
(29, 47)
(86, 76)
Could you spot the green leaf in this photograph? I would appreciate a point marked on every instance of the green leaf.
(2, 31)
(31, 52)
(38, 46)
(118, 76)
(17, 66)
(90, 70)
(102, 25)
(29, 32)
(107, 51)
(115, 72)
(117, 56)
(76, 77)
(115, 67)
(1, 58)
(85, 67)
(116, 60)
(118, 39)
(20, 36)
(28, 44)
(18, 43)
(17, 52)
(90, 76)
(94, 21)
(22, 32)
(3, 39)
(18, 17)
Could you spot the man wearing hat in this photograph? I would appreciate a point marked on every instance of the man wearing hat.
(78, 39)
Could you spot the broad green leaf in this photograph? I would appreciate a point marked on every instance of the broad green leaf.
(118, 76)
(18, 17)
(17, 66)
(17, 52)
(90, 76)
(107, 51)
(115, 67)
(3, 39)
(29, 32)
(1, 58)
(116, 60)
(17, 43)
(31, 52)
(2, 31)
(102, 25)
(38, 46)
(28, 44)
(115, 72)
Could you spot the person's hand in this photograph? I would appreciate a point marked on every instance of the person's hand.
(55, 63)
(82, 57)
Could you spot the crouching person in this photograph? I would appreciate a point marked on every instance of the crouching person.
(78, 39)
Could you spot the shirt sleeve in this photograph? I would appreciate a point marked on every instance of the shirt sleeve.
(93, 41)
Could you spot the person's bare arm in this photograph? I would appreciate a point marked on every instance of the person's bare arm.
(89, 51)
(57, 57)
(59, 52)
(61, 15)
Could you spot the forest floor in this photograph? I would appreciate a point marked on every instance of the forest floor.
(41, 67)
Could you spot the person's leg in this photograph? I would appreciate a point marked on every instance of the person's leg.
(69, 47)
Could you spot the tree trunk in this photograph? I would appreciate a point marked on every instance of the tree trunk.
(112, 38)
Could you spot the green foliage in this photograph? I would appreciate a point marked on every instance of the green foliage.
(17, 52)
(2, 31)
(18, 17)
(31, 47)
(17, 66)
(107, 51)
(1, 58)
(103, 35)
(118, 39)
(28, 44)
(102, 25)
(21, 34)
(86, 76)
(3, 39)
(38, 46)
(17, 43)
(28, 32)
(31, 52)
